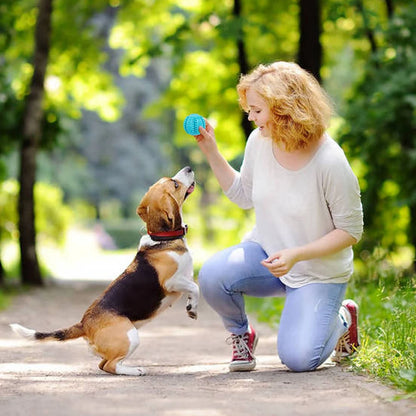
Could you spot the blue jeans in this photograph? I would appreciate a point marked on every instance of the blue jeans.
(310, 325)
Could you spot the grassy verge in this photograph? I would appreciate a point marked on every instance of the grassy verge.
(387, 323)
(12, 284)
(5, 298)
(7, 293)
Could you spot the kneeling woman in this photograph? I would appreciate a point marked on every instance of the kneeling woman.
(308, 215)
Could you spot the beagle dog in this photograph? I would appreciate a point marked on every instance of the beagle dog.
(160, 273)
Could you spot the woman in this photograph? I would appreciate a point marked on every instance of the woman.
(308, 215)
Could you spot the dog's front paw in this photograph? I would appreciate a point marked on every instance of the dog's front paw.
(191, 311)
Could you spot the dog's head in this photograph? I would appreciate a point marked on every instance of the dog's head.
(161, 206)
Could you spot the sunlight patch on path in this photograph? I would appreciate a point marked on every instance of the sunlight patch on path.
(82, 259)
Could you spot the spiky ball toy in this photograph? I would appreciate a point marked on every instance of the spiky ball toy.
(192, 122)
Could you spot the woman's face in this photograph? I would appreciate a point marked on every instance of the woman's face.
(259, 111)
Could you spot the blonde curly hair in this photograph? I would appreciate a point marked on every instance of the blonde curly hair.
(299, 106)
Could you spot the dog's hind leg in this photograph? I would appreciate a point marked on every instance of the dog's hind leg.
(116, 343)
(115, 365)
(102, 364)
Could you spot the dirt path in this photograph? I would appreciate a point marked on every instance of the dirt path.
(187, 363)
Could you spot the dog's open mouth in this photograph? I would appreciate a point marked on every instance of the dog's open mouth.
(190, 190)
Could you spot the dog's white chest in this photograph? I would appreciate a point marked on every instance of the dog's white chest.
(184, 272)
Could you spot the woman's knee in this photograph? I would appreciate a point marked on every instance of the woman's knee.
(299, 358)
(210, 278)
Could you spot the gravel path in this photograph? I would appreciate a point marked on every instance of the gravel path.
(187, 364)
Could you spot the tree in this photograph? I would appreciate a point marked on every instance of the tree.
(242, 58)
(310, 48)
(52, 215)
(380, 130)
(9, 108)
(37, 103)
(201, 48)
(31, 132)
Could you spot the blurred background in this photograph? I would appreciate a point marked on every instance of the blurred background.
(92, 105)
(93, 95)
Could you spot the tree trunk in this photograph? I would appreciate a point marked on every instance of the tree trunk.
(1, 273)
(389, 8)
(242, 64)
(368, 31)
(310, 48)
(31, 133)
(412, 231)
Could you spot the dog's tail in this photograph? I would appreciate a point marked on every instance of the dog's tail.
(75, 331)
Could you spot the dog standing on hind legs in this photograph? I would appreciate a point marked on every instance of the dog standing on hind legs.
(160, 273)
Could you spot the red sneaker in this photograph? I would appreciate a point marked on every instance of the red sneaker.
(348, 343)
(243, 350)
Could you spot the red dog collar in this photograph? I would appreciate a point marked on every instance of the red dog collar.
(169, 235)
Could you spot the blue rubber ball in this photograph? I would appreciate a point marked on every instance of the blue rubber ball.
(192, 122)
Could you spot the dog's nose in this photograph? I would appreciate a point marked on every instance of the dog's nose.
(188, 169)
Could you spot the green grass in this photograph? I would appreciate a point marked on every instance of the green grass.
(5, 298)
(7, 293)
(388, 329)
(387, 322)
(12, 285)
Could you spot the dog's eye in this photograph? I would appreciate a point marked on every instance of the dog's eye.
(175, 183)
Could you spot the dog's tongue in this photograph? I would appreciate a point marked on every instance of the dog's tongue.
(191, 189)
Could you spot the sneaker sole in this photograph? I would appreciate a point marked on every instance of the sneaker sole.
(245, 365)
(242, 365)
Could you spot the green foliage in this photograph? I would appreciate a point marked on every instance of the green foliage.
(8, 209)
(52, 215)
(76, 76)
(125, 233)
(380, 130)
(197, 42)
(10, 108)
(200, 39)
(4, 300)
(267, 310)
(386, 296)
(7, 294)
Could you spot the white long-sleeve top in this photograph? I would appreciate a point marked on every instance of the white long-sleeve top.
(294, 208)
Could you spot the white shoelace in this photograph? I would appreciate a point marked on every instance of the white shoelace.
(241, 350)
(343, 348)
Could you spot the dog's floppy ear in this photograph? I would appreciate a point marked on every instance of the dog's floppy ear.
(162, 214)
(160, 211)
(143, 208)
(171, 211)
(142, 211)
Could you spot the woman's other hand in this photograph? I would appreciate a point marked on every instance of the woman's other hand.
(281, 262)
